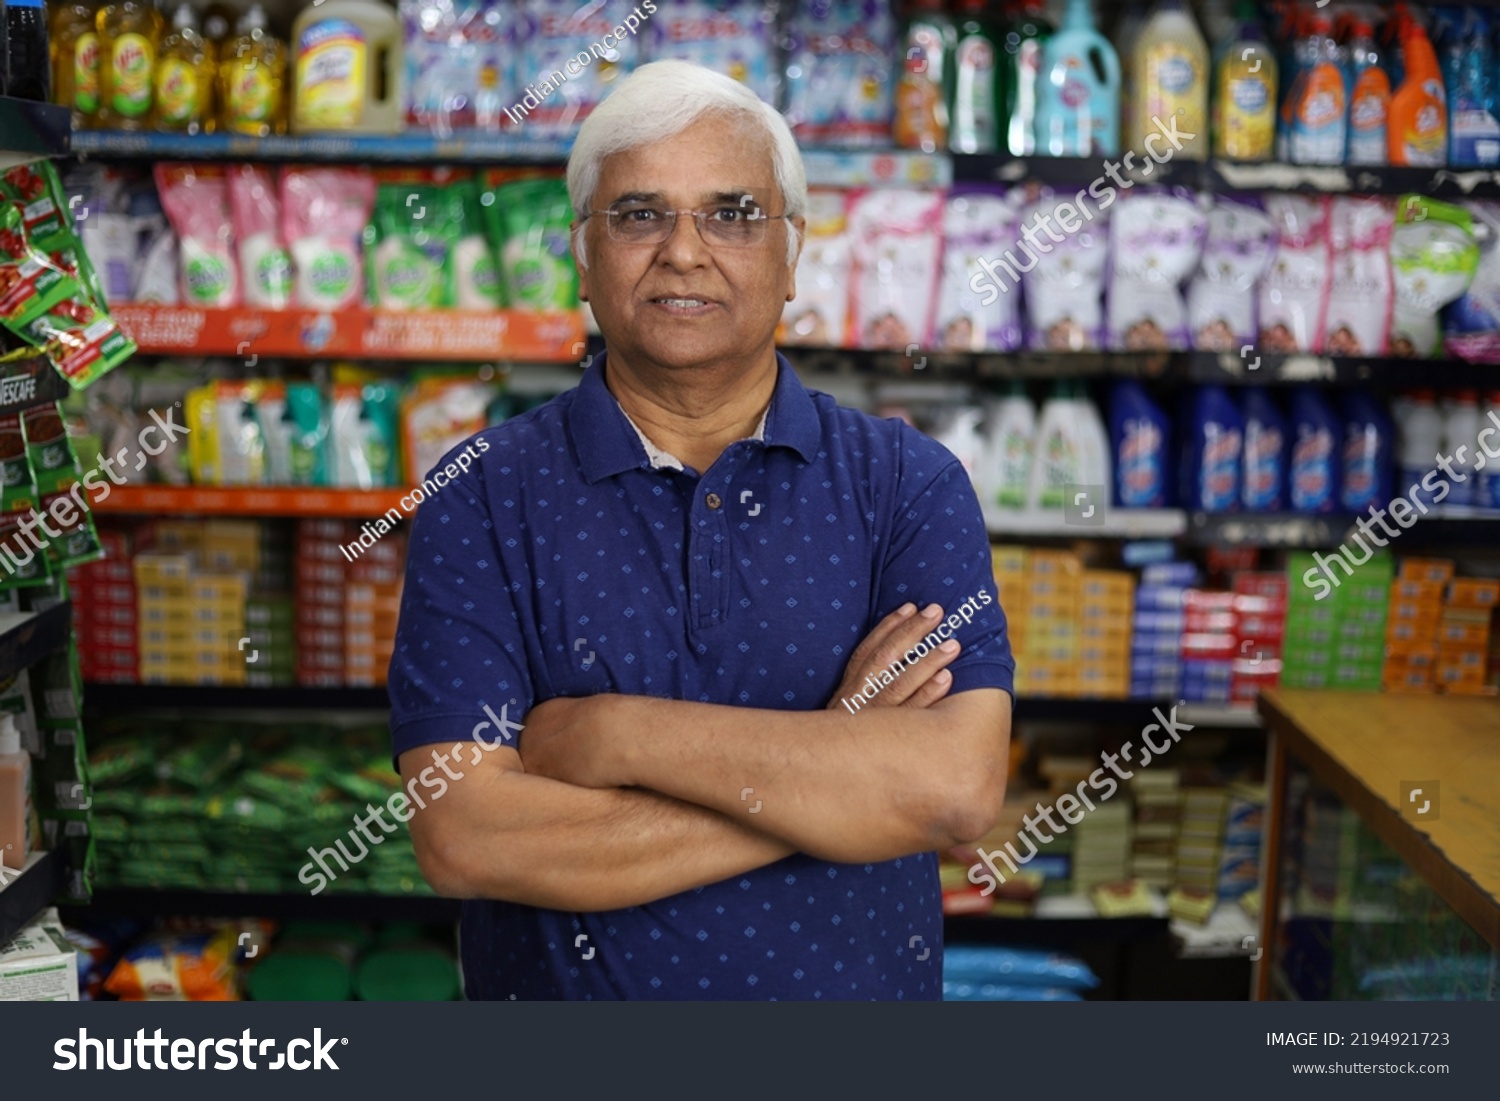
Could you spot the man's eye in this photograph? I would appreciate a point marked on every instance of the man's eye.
(639, 215)
(732, 215)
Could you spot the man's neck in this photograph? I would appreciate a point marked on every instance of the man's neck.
(693, 414)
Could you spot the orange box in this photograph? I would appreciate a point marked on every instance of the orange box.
(1473, 592)
(1051, 563)
(1426, 569)
(1422, 654)
(1470, 688)
(1397, 631)
(1461, 633)
(1403, 608)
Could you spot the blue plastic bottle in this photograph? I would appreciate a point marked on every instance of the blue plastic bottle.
(1368, 454)
(1469, 70)
(1317, 436)
(1265, 453)
(1078, 90)
(1139, 435)
(1211, 452)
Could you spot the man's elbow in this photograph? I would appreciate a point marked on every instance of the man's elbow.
(442, 860)
(972, 811)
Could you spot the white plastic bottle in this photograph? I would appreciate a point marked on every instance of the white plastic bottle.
(15, 796)
(960, 435)
(1094, 466)
(1057, 457)
(1461, 424)
(1421, 432)
(1008, 449)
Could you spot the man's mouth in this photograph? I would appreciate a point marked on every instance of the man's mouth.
(682, 303)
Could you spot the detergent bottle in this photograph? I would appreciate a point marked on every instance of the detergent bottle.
(1211, 465)
(1368, 440)
(347, 69)
(1369, 98)
(1140, 443)
(1418, 131)
(1171, 69)
(1473, 95)
(1078, 90)
(922, 91)
(1319, 100)
(1095, 461)
(1313, 480)
(1057, 459)
(977, 115)
(1008, 446)
(1244, 103)
(1263, 486)
(1025, 36)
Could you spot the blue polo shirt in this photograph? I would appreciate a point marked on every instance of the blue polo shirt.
(565, 563)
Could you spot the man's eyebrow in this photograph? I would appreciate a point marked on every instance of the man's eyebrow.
(639, 197)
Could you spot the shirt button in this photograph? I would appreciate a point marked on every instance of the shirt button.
(713, 500)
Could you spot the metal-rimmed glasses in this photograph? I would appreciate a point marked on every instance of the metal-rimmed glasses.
(733, 225)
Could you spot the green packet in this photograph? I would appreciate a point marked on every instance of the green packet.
(529, 223)
(201, 764)
(35, 191)
(409, 245)
(29, 282)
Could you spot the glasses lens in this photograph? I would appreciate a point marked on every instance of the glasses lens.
(639, 224)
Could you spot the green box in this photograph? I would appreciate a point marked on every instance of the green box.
(1363, 652)
(1305, 678)
(1304, 656)
(1357, 631)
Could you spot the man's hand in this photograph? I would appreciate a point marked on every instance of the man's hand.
(565, 738)
(921, 683)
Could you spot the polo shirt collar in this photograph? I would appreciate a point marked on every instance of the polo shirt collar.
(609, 443)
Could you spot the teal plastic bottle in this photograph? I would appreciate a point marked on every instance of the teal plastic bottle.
(977, 116)
(1078, 90)
(1024, 38)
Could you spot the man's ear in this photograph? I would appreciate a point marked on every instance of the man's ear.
(798, 225)
(580, 254)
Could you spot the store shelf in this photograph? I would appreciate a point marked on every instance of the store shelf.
(1071, 172)
(1104, 523)
(115, 699)
(1468, 528)
(30, 131)
(1104, 712)
(467, 148)
(1252, 368)
(353, 504)
(27, 637)
(554, 336)
(23, 895)
(293, 906)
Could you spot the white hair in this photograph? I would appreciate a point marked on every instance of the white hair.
(661, 100)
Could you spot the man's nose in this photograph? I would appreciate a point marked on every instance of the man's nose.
(684, 246)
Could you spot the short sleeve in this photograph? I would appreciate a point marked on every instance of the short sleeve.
(939, 552)
(460, 658)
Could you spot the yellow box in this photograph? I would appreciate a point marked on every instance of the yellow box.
(156, 592)
(1052, 563)
(1108, 583)
(165, 612)
(1473, 592)
(1008, 558)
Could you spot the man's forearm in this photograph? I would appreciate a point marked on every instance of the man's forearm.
(544, 843)
(886, 783)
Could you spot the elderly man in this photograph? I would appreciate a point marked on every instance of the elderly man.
(753, 635)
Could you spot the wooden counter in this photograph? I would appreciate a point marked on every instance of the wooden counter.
(1364, 746)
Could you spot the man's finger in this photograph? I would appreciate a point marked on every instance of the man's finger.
(935, 689)
(903, 637)
(882, 632)
(920, 673)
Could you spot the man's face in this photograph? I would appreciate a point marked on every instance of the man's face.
(638, 291)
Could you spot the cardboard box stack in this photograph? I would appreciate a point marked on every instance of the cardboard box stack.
(1210, 644)
(1157, 794)
(1463, 640)
(1107, 602)
(1260, 633)
(372, 601)
(105, 614)
(320, 563)
(1411, 635)
(346, 610)
(1239, 860)
(1102, 849)
(1040, 591)
(1200, 838)
(1338, 641)
(1156, 662)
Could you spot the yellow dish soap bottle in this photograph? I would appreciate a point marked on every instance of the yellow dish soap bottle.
(252, 78)
(347, 68)
(185, 81)
(129, 33)
(74, 42)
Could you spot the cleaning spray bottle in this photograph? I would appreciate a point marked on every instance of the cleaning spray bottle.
(1263, 486)
(1313, 480)
(1140, 444)
(1078, 90)
(1211, 465)
(1369, 98)
(1319, 99)
(1368, 442)
(1418, 133)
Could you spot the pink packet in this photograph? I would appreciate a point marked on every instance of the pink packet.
(324, 212)
(897, 244)
(1293, 295)
(1363, 287)
(196, 202)
(265, 267)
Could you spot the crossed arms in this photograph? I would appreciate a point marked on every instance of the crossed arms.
(616, 801)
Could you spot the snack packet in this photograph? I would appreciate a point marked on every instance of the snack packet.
(897, 247)
(30, 283)
(1155, 243)
(196, 201)
(1221, 296)
(1293, 295)
(409, 245)
(1434, 258)
(265, 267)
(818, 315)
(439, 413)
(324, 212)
(1359, 299)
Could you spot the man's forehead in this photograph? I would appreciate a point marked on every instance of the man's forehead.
(665, 191)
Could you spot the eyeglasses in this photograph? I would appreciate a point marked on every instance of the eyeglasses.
(733, 225)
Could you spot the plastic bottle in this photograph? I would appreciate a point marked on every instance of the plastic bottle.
(1172, 73)
(1244, 103)
(1489, 477)
(978, 112)
(74, 45)
(960, 435)
(1057, 458)
(29, 74)
(1317, 437)
(1474, 96)
(1213, 436)
(923, 90)
(1367, 454)
(1095, 465)
(129, 35)
(1418, 131)
(348, 70)
(1369, 98)
(1078, 90)
(1140, 443)
(1461, 424)
(1420, 442)
(183, 88)
(1263, 483)
(1319, 99)
(1008, 449)
(1127, 30)
(252, 78)
(15, 796)
(1025, 37)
